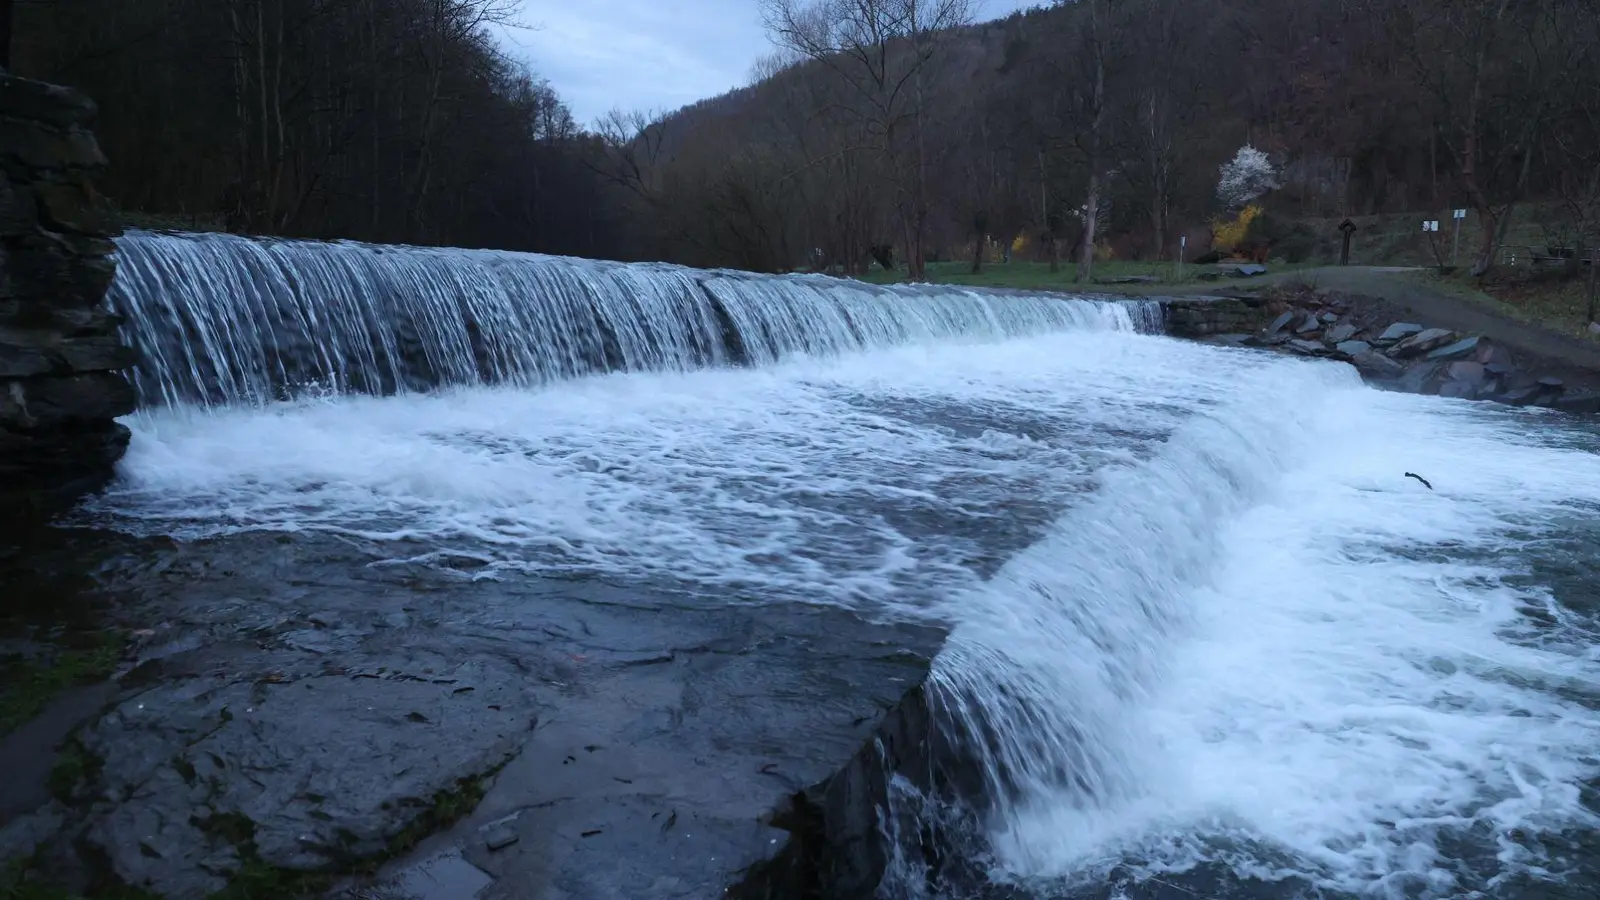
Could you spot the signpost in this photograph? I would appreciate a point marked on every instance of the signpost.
(1348, 228)
(1183, 250)
(1455, 242)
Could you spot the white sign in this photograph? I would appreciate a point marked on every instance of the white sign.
(1432, 225)
(1461, 214)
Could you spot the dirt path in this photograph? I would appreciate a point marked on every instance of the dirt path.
(1433, 307)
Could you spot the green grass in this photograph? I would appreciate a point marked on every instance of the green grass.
(1036, 276)
(1557, 304)
(28, 685)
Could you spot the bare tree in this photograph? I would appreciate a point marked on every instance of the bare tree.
(882, 50)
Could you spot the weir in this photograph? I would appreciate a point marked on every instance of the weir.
(220, 319)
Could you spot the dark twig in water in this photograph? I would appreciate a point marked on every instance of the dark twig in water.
(1421, 479)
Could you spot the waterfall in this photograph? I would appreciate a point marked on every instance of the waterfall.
(222, 319)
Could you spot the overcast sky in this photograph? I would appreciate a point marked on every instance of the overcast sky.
(650, 54)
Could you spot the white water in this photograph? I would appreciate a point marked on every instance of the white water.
(225, 320)
(1222, 614)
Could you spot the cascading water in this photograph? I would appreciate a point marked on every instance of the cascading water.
(1206, 639)
(221, 319)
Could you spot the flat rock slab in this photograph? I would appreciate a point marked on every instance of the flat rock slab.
(1422, 342)
(1457, 350)
(1353, 348)
(1397, 332)
(1338, 334)
(294, 703)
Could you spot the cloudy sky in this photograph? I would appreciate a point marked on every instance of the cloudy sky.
(649, 54)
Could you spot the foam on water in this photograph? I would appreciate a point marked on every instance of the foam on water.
(1201, 618)
(1266, 651)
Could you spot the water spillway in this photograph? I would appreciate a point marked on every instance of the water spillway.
(222, 319)
(1204, 637)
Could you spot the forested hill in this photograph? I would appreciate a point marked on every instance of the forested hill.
(384, 120)
(397, 120)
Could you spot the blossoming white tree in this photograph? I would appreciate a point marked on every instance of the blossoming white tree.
(1249, 175)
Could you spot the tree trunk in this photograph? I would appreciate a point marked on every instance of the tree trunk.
(1092, 214)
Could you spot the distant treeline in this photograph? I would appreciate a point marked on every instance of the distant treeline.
(383, 120)
(883, 128)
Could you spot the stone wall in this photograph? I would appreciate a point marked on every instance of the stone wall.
(60, 355)
(1195, 317)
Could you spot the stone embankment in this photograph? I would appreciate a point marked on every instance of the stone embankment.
(60, 354)
(1388, 348)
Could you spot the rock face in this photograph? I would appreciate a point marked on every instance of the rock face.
(60, 391)
(1196, 317)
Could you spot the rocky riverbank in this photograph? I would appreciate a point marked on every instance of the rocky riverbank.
(60, 353)
(1390, 347)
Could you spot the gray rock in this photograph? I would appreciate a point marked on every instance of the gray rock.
(1308, 348)
(1458, 390)
(1328, 318)
(1553, 383)
(1353, 348)
(1377, 365)
(1467, 371)
(20, 360)
(1309, 324)
(1457, 350)
(1490, 353)
(1249, 271)
(500, 834)
(1587, 404)
(1422, 342)
(1338, 334)
(62, 107)
(1421, 377)
(1594, 327)
(1280, 323)
(50, 402)
(184, 754)
(17, 212)
(1398, 332)
(1522, 396)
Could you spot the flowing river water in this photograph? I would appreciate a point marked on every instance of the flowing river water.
(1206, 638)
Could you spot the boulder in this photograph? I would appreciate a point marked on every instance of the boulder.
(17, 214)
(1353, 348)
(1467, 371)
(1521, 396)
(1587, 403)
(1397, 332)
(62, 107)
(1308, 348)
(1492, 354)
(1377, 365)
(1458, 390)
(1338, 334)
(1309, 324)
(75, 207)
(1458, 350)
(1552, 383)
(1328, 318)
(53, 402)
(1421, 342)
(1281, 322)
(1421, 377)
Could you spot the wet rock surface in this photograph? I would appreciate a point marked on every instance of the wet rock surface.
(285, 703)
